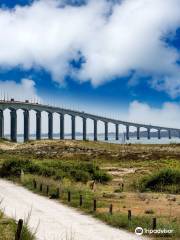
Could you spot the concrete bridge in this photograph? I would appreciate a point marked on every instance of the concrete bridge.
(26, 106)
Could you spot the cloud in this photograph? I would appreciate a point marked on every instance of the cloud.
(168, 115)
(113, 37)
(19, 91)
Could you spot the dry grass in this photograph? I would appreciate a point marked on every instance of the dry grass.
(8, 229)
(127, 163)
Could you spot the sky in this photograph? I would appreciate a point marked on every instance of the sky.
(118, 58)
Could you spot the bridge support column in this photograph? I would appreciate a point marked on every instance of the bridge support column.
(26, 125)
(84, 129)
(13, 125)
(127, 132)
(95, 130)
(106, 131)
(1, 124)
(117, 132)
(50, 125)
(138, 133)
(38, 125)
(73, 127)
(62, 126)
(159, 133)
(148, 133)
(169, 134)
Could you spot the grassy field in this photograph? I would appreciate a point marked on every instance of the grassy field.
(142, 178)
(8, 229)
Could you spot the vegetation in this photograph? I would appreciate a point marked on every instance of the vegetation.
(142, 178)
(120, 220)
(59, 190)
(117, 219)
(165, 180)
(8, 229)
(78, 171)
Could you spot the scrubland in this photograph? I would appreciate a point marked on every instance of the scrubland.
(142, 178)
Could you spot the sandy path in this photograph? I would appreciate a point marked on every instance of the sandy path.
(55, 220)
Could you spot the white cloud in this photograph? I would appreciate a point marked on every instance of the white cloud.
(20, 91)
(168, 115)
(23, 90)
(48, 36)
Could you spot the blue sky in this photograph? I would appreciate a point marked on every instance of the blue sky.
(113, 66)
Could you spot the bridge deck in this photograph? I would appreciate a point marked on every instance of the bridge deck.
(51, 109)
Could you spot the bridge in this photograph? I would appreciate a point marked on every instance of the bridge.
(26, 106)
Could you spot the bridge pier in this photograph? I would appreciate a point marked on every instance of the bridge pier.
(13, 115)
(1, 124)
(26, 125)
(138, 133)
(169, 134)
(26, 106)
(61, 126)
(117, 132)
(148, 133)
(73, 127)
(159, 133)
(38, 125)
(84, 129)
(50, 125)
(106, 131)
(95, 130)
(127, 132)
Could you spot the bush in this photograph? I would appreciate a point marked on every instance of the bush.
(12, 167)
(59, 175)
(46, 171)
(80, 175)
(167, 179)
(102, 176)
(78, 171)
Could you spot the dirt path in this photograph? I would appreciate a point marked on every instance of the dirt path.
(56, 221)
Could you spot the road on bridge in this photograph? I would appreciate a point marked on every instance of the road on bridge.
(54, 220)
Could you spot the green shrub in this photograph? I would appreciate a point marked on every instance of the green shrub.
(167, 179)
(46, 171)
(13, 167)
(102, 176)
(59, 175)
(78, 171)
(80, 175)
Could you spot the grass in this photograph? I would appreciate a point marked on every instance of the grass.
(8, 229)
(118, 219)
(70, 165)
(63, 187)
(121, 221)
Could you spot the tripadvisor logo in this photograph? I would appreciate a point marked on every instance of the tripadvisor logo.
(139, 231)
